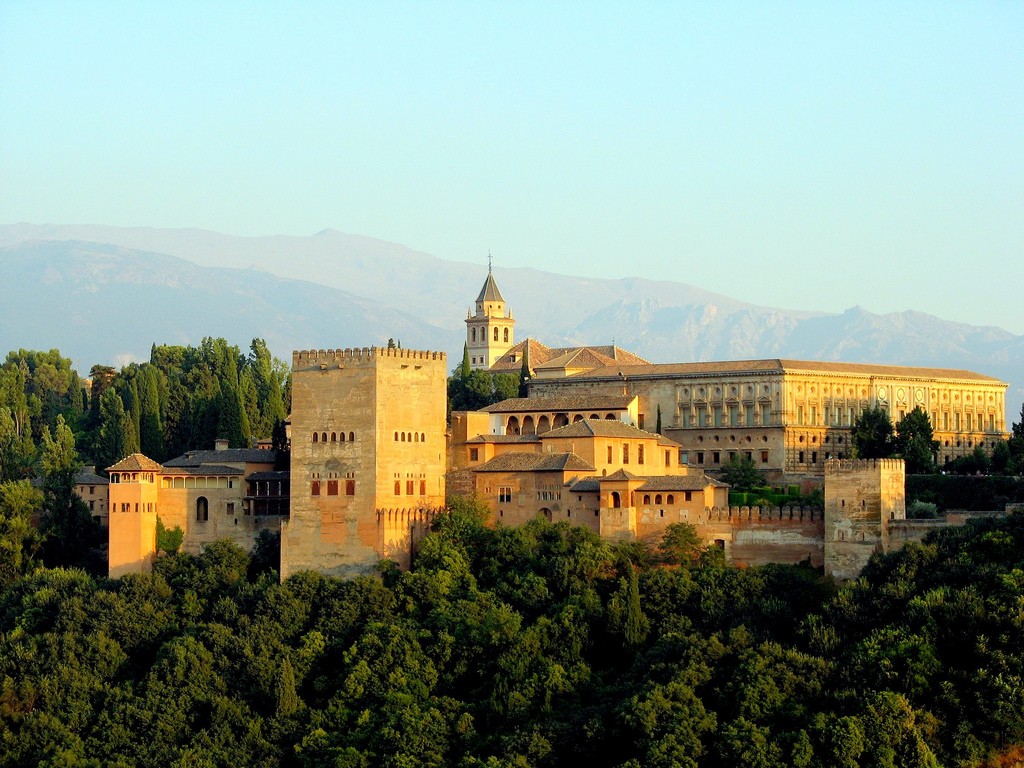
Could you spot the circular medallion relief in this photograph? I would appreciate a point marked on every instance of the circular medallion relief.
(901, 393)
(882, 393)
(919, 394)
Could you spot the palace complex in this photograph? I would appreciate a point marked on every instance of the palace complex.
(605, 440)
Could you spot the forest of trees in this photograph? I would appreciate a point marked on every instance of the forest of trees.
(911, 438)
(183, 398)
(534, 646)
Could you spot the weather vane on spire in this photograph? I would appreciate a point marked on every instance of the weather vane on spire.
(489, 261)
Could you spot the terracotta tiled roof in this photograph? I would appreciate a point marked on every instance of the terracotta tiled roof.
(535, 462)
(678, 370)
(88, 477)
(504, 439)
(542, 356)
(619, 475)
(276, 475)
(587, 484)
(696, 482)
(136, 462)
(234, 455)
(604, 428)
(562, 403)
(202, 469)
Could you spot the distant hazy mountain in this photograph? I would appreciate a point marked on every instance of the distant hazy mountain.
(104, 294)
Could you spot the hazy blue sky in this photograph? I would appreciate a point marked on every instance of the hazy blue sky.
(807, 155)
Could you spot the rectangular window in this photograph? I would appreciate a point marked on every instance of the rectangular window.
(350, 487)
(474, 454)
(734, 417)
(639, 454)
(668, 458)
(814, 414)
(814, 457)
(332, 487)
(685, 417)
(423, 487)
(764, 457)
(800, 458)
(749, 455)
(314, 488)
(800, 415)
(750, 416)
(625, 453)
(700, 457)
(718, 415)
(688, 495)
(504, 494)
(716, 457)
(609, 454)
(684, 458)
(640, 420)
(231, 508)
(409, 485)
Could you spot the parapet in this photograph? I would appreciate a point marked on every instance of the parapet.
(764, 514)
(835, 466)
(358, 355)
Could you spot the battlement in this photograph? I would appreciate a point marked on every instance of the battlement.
(409, 514)
(359, 355)
(764, 514)
(835, 466)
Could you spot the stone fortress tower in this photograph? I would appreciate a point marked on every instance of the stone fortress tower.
(861, 497)
(490, 331)
(368, 457)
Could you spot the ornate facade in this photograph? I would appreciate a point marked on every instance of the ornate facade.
(791, 416)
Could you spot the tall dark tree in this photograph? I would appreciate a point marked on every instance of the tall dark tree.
(913, 441)
(873, 435)
(112, 438)
(66, 524)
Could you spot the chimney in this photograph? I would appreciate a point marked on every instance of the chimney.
(220, 444)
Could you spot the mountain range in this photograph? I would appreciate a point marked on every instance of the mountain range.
(104, 294)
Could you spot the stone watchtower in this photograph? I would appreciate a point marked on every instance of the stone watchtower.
(861, 497)
(367, 459)
(490, 331)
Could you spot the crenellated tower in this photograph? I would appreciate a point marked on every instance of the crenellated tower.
(490, 330)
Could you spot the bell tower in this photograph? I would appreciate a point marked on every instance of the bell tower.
(490, 331)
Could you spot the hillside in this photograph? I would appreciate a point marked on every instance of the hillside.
(334, 289)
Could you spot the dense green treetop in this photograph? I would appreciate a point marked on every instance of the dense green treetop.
(542, 645)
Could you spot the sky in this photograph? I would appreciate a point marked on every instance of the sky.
(810, 156)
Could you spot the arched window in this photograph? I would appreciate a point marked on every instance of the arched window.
(343, 437)
(398, 487)
(670, 500)
(616, 500)
(202, 509)
(647, 498)
(657, 498)
(423, 437)
(403, 437)
(415, 437)
(495, 334)
(316, 437)
(334, 437)
(506, 335)
(323, 437)
(351, 437)
(472, 334)
(396, 437)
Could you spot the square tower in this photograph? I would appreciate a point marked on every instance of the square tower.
(861, 497)
(368, 457)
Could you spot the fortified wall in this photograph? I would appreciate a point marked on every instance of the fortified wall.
(761, 535)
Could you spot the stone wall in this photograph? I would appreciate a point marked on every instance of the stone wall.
(861, 498)
(388, 406)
